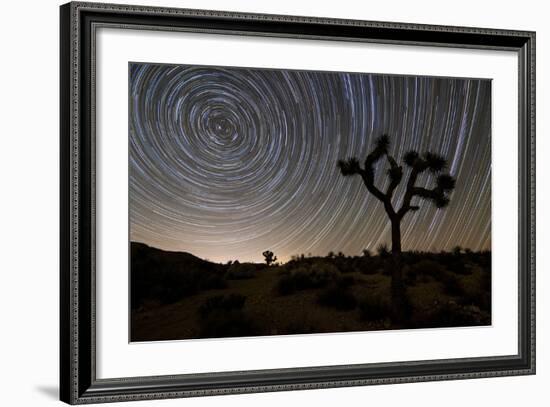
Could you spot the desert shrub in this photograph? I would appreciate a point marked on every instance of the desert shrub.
(171, 295)
(301, 326)
(387, 266)
(286, 285)
(323, 272)
(213, 281)
(484, 299)
(459, 267)
(479, 299)
(401, 307)
(369, 270)
(372, 265)
(175, 284)
(423, 278)
(484, 260)
(223, 316)
(284, 270)
(451, 284)
(222, 302)
(383, 250)
(451, 314)
(344, 281)
(486, 279)
(338, 297)
(228, 323)
(410, 275)
(345, 264)
(476, 290)
(428, 267)
(241, 271)
(374, 308)
(303, 278)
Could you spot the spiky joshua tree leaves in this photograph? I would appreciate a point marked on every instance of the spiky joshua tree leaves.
(417, 164)
(269, 257)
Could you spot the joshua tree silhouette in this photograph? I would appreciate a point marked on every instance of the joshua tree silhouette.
(269, 257)
(418, 164)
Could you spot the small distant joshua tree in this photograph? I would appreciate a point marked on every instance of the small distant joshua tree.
(418, 164)
(269, 257)
(383, 250)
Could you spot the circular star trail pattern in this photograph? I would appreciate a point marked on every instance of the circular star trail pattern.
(228, 162)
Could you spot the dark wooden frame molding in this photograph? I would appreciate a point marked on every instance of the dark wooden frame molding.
(78, 382)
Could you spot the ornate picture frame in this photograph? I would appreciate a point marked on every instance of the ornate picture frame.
(79, 382)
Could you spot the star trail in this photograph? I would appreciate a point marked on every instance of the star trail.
(225, 163)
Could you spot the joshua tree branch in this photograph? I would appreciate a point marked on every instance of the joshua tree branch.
(425, 192)
(351, 166)
(436, 195)
(409, 192)
(396, 174)
(369, 183)
(412, 208)
(368, 175)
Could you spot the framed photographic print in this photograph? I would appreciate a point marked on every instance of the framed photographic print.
(256, 203)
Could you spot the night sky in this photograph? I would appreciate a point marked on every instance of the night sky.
(228, 162)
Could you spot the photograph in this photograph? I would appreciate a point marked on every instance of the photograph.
(283, 202)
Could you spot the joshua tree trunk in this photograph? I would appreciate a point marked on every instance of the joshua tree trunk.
(397, 288)
(395, 236)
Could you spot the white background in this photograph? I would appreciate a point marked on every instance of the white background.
(29, 165)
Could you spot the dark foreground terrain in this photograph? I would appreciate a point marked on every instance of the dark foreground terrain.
(179, 296)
